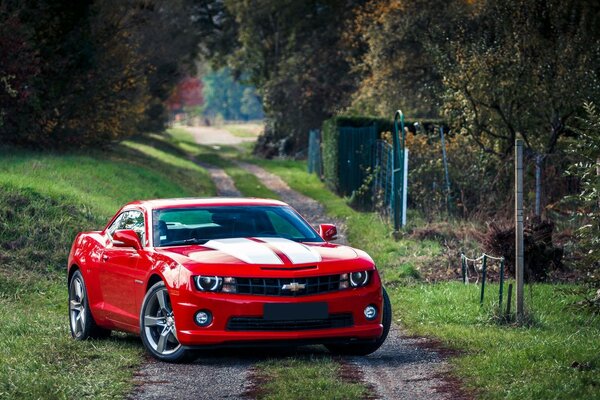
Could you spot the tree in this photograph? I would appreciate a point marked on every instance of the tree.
(292, 52)
(396, 69)
(516, 67)
(228, 98)
(100, 69)
(585, 150)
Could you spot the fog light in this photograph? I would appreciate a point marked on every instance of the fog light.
(370, 312)
(203, 318)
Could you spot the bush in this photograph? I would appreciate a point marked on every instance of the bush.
(541, 256)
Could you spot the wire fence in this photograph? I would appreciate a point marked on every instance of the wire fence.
(383, 182)
(482, 262)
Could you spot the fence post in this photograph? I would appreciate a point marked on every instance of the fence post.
(404, 184)
(398, 191)
(538, 184)
(484, 267)
(519, 245)
(508, 300)
(463, 262)
(447, 176)
(501, 284)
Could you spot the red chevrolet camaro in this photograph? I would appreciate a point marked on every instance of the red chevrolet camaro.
(196, 273)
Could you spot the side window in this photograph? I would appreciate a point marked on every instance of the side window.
(115, 225)
(130, 220)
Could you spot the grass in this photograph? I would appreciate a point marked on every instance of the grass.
(288, 379)
(45, 199)
(557, 357)
(249, 130)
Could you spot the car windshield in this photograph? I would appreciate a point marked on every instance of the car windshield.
(197, 225)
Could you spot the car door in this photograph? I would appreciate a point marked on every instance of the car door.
(121, 273)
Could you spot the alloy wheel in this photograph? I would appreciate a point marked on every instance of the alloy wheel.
(77, 310)
(159, 324)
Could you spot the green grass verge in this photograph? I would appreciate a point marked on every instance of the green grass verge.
(301, 378)
(558, 357)
(250, 130)
(45, 199)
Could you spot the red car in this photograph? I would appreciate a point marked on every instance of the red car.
(196, 273)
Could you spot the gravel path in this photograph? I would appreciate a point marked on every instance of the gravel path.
(223, 182)
(209, 135)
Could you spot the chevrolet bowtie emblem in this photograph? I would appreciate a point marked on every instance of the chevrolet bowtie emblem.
(293, 287)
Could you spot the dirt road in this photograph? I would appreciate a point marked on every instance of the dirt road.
(401, 369)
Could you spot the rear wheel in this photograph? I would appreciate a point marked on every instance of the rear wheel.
(81, 320)
(157, 326)
(362, 349)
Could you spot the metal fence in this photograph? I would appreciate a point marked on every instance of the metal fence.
(355, 156)
(383, 182)
(363, 158)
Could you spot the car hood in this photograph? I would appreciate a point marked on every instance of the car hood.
(260, 251)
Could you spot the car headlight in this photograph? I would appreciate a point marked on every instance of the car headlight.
(358, 279)
(208, 283)
(354, 279)
(215, 284)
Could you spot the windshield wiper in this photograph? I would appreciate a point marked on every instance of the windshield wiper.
(186, 241)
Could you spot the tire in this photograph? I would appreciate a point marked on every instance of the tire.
(363, 349)
(81, 321)
(157, 326)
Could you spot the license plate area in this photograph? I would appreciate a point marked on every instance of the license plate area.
(295, 311)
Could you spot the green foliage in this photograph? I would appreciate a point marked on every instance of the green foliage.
(89, 73)
(396, 70)
(330, 149)
(585, 150)
(514, 68)
(297, 64)
(228, 99)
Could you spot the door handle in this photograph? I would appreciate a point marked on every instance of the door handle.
(104, 258)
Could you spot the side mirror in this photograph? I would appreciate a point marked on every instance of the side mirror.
(126, 238)
(328, 232)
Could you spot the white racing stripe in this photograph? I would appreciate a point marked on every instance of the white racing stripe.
(246, 250)
(296, 252)
(252, 252)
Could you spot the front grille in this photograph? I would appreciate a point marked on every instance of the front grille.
(274, 286)
(260, 324)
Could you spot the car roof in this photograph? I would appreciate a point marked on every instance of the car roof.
(211, 201)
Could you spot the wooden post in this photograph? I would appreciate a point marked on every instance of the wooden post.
(519, 244)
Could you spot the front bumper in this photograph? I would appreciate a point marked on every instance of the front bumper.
(224, 306)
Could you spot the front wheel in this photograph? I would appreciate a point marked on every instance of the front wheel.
(157, 326)
(362, 349)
